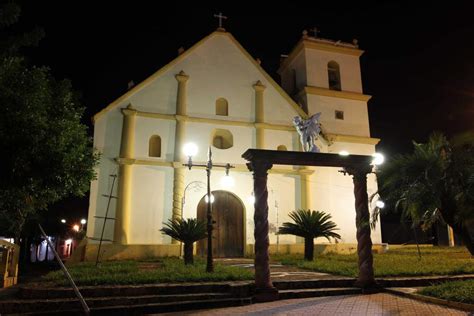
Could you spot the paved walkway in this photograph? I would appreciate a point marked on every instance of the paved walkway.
(374, 304)
(279, 271)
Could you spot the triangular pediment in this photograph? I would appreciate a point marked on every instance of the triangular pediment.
(218, 67)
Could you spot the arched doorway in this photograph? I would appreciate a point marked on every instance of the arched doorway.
(228, 232)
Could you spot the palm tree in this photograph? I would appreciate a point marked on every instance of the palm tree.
(435, 182)
(309, 225)
(187, 231)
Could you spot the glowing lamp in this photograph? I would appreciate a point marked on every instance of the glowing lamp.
(75, 228)
(227, 181)
(206, 198)
(63, 221)
(83, 221)
(378, 159)
(190, 149)
(343, 153)
(380, 204)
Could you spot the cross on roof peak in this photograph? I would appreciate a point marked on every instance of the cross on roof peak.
(315, 32)
(220, 17)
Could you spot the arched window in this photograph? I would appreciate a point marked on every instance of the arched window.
(282, 148)
(334, 76)
(222, 139)
(222, 107)
(154, 146)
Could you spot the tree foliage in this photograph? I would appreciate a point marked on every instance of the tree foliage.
(47, 154)
(435, 182)
(309, 225)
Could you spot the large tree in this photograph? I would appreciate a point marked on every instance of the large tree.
(46, 152)
(435, 182)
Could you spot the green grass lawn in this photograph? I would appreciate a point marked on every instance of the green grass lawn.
(458, 291)
(136, 272)
(397, 262)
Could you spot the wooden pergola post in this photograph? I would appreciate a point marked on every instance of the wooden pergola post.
(365, 278)
(264, 289)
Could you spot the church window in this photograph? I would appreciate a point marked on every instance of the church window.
(334, 76)
(222, 107)
(222, 139)
(282, 148)
(154, 146)
(339, 115)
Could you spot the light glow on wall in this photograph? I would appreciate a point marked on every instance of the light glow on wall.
(251, 199)
(343, 153)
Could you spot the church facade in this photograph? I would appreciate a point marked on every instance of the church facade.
(216, 95)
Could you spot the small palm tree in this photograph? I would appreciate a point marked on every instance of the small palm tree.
(309, 225)
(187, 231)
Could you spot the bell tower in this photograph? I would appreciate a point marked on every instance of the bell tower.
(323, 75)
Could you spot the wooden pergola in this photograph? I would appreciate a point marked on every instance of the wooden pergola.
(358, 166)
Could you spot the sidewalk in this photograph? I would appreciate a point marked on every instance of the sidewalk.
(374, 304)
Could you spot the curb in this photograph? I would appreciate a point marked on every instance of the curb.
(429, 299)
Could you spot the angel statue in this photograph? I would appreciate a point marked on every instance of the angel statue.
(309, 130)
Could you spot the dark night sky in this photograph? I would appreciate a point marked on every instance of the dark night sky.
(418, 65)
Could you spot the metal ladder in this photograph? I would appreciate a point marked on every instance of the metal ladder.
(101, 239)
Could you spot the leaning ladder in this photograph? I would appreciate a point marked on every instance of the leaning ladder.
(101, 239)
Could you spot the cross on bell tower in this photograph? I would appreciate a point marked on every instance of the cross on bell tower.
(220, 17)
(315, 32)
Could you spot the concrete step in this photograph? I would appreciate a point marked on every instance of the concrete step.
(240, 289)
(105, 303)
(304, 293)
(171, 307)
(313, 284)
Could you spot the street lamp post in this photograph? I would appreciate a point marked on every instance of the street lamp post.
(196, 185)
(190, 151)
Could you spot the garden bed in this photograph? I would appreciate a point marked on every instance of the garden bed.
(457, 291)
(164, 270)
(402, 261)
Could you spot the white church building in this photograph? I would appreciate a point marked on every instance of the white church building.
(216, 94)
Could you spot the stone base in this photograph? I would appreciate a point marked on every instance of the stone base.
(298, 248)
(87, 251)
(368, 287)
(265, 295)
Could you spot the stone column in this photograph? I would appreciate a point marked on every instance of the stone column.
(305, 178)
(181, 100)
(180, 134)
(259, 114)
(451, 240)
(265, 291)
(364, 242)
(124, 189)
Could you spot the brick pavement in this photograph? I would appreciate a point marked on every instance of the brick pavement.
(374, 304)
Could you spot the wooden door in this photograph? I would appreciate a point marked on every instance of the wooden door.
(228, 232)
